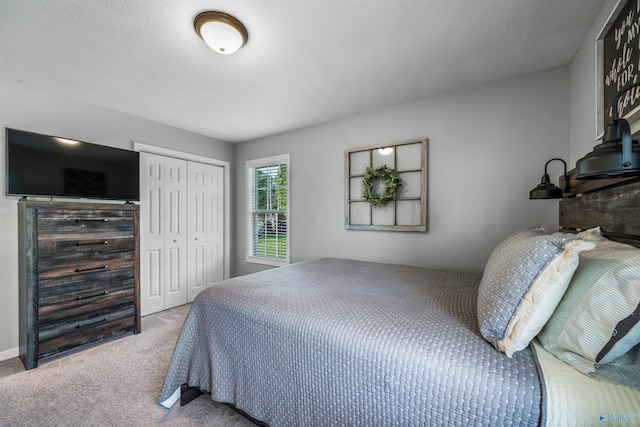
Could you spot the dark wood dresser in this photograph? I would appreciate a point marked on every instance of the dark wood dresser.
(79, 276)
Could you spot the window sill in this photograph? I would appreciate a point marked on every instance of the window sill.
(267, 261)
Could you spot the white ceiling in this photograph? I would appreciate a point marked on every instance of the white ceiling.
(306, 61)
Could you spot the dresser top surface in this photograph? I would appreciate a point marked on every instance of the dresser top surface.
(38, 204)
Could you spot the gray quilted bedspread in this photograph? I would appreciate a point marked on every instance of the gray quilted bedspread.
(334, 342)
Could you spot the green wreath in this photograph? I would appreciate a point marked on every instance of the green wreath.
(390, 176)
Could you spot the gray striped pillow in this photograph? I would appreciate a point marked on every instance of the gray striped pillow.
(598, 319)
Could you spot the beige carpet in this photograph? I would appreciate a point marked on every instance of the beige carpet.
(113, 384)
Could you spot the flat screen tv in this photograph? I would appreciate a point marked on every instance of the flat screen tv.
(49, 166)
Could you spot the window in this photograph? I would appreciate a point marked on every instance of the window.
(268, 210)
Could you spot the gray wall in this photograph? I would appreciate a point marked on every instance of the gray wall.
(487, 149)
(24, 108)
(583, 89)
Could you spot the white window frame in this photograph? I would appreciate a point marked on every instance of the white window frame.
(251, 166)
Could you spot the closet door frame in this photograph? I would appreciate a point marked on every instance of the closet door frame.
(227, 189)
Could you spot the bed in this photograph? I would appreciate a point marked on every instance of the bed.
(353, 343)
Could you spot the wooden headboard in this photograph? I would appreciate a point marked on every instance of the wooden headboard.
(612, 204)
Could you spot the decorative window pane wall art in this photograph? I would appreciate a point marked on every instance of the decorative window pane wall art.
(386, 187)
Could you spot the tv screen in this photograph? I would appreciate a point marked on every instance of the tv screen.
(49, 166)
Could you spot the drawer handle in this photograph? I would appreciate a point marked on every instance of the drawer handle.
(92, 220)
(78, 326)
(82, 270)
(93, 296)
(101, 242)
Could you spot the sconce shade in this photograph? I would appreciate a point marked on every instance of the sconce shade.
(546, 190)
(618, 156)
(220, 31)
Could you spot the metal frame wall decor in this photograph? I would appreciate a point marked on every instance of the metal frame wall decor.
(403, 160)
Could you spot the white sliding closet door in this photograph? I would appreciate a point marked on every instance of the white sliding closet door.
(205, 227)
(163, 232)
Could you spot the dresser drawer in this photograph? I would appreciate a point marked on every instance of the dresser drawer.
(82, 286)
(76, 331)
(85, 213)
(87, 265)
(69, 225)
(86, 244)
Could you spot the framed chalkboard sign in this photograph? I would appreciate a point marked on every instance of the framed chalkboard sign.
(618, 51)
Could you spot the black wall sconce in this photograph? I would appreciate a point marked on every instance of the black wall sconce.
(618, 156)
(546, 190)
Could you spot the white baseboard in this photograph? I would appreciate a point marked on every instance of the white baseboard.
(8, 354)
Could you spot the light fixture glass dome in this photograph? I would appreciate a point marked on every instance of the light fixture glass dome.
(220, 31)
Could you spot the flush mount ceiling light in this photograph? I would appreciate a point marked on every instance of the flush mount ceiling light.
(220, 31)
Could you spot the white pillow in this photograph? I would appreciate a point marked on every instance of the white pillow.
(542, 298)
(522, 284)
